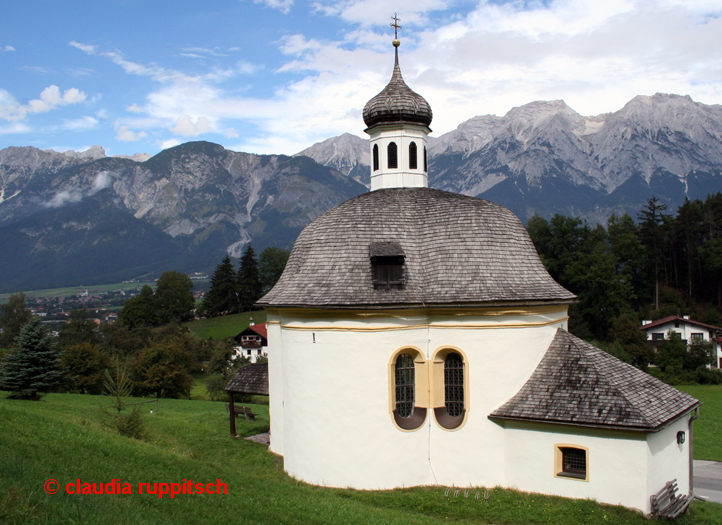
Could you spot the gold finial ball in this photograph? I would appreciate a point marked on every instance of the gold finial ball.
(396, 42)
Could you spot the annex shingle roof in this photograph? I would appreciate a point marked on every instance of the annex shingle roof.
(250, 379)
(580, 385)
(397, 103)
(459, 250)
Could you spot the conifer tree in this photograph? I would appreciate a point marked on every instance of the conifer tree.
(223, 295)
(249, 279)
(33, 367)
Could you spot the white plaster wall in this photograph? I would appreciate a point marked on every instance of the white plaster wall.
(500, 362)
(275, 383)
(617, 463)
(401, 177)
(337, 427)
(668, 460)
(338, 431)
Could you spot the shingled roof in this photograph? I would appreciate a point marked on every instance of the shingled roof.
(580, 385)
(250, 379)
(397, 103)
(458, 250)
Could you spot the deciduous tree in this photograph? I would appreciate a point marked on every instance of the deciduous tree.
(14, 316)
(173, 298)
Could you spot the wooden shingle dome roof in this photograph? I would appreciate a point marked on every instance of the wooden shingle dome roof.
(455, 249)
(397, 103)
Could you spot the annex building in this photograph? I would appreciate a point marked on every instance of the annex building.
(415, 338)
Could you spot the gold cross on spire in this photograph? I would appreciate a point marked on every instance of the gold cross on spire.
(396, 25)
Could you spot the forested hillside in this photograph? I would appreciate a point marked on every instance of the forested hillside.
(662, 262)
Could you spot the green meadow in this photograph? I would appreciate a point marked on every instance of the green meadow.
(61, 438)
(225, 326)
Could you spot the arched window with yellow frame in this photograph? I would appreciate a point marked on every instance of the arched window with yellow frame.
(450, 386)
(408, 388)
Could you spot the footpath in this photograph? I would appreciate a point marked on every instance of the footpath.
(708, 480)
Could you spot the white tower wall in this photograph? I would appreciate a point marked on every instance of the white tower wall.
(403, 176)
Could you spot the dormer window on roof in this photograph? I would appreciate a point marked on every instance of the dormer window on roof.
(387, 265)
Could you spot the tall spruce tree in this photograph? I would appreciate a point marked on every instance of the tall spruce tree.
(249, 279)
(222, 298)
(34, 366)
(652, 222)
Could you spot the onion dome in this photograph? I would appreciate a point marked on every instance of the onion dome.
(397, 103)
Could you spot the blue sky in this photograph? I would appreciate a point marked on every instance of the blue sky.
(276, 76)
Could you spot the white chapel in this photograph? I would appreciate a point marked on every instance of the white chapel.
(417, 339)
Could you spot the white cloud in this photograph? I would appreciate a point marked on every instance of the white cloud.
(171, 143)
(8, 49)
(15, 127)
(184, 126)
(284, 6)
(231, 133)
(50, 98)
(84, 47)
(102, 181)
(126, 135)
(81, 124)
(64, 197)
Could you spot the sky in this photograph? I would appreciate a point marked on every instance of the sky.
(276, 76)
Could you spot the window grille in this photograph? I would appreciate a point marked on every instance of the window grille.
(393, 155)
(454, 384)
(413, 164)
(376, 157)
(405, 385)
(574, 462)
(425, 166)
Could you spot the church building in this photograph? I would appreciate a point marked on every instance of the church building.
(415, 338)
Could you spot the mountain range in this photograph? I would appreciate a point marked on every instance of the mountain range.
(82, 218)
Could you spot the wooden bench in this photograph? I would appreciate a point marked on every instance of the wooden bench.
(668, 502)
(244, 411)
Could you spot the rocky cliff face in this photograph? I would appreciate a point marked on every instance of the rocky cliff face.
(196, 200)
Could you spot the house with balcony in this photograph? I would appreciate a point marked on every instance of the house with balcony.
(688, 329)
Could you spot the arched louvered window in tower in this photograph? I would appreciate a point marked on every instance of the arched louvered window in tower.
(393, 155)
(413, 164)
(425, 166)
(376, 157)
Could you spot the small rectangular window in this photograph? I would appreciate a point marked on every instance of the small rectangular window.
(657, 336)
(697, 336)
(571, 462)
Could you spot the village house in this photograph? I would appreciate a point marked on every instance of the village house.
(252, 342)
(415, 338)
(689, 330)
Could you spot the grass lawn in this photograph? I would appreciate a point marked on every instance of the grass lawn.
(226, 326)
(708, 428)
(60, 438)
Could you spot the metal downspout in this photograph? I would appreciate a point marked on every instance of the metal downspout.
(691, 451)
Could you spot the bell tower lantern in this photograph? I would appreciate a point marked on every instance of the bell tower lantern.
(397, 121)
